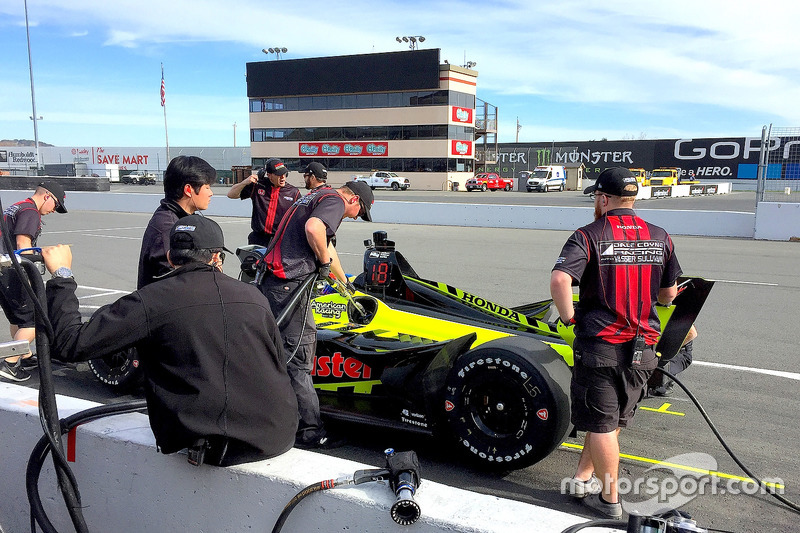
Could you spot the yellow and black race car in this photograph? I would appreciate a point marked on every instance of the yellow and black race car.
(420, 355)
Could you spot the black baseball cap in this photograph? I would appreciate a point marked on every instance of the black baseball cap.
(317, 170)
(365, 197)
(616, 181)
(276, 166)
(55, 188)
(203, 233)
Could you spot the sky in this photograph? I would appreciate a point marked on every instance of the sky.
(568, 70)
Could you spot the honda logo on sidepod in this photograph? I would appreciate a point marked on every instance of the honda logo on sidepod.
(542, 413)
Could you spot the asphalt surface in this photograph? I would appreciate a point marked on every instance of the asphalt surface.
(748, 322)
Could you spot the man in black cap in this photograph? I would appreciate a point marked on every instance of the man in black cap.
(315, 176)
(302, 246)
(623, 266)
(216, 379)
(272, 196)
(24, 222)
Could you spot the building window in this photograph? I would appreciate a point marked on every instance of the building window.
(363, 101)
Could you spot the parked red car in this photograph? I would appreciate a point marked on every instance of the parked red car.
(489, 181)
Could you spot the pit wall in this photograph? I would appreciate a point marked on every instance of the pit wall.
(772, 220)
(127, 486)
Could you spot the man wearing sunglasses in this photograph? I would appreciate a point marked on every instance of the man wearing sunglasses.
(623, 266)
(301, 246)
(24, 222)
(271, 195)
(315, 176)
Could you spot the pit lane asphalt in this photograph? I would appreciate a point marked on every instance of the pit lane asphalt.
(749, 321)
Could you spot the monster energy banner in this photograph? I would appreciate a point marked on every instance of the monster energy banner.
(717, 158)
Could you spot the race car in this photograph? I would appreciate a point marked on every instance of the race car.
(423, 356)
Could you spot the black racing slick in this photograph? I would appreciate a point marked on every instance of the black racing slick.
(211, 354)
(155, 242)
(620, 261)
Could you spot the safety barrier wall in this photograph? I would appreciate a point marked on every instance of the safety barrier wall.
(127, 486)
(676, 222)
(777, 221)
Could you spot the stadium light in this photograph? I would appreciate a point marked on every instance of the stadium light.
(412, 40)
(277, 50)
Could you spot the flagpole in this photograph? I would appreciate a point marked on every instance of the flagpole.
(164, 105)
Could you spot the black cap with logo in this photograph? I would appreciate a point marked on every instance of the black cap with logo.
(616, 181)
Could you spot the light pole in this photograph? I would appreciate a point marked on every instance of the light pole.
(470, 64)
(234, 135)
(412, 40)
(278, 50)
(33, 92)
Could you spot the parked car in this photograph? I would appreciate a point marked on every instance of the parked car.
(489, 181)
(385, 180)
(139, 177)
(545, 178)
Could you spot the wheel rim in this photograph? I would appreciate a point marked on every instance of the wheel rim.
(497, 408)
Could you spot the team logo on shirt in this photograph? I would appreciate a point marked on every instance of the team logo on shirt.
(631, 253)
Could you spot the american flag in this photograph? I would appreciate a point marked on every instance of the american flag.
(163, 88)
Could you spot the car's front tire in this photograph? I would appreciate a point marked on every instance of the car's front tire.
(483, 187)
(507, 403)
(119, 370)
(395, 186)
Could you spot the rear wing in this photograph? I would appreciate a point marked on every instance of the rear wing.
(692, 294)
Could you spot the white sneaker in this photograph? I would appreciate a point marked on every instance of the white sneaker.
(580, 489)
(609, 510)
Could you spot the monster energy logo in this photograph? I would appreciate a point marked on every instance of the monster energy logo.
(542, 157)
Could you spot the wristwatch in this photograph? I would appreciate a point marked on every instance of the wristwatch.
(62, 272)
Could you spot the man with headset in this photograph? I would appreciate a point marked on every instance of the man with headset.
(216, 380)
(271, 195)
(187, 189)
(623, 266)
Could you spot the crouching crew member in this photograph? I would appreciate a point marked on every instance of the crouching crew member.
(216, 379)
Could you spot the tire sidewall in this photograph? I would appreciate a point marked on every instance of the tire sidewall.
(543, 400)
(125, 376)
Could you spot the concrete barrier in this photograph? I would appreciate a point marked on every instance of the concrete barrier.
(777, 221)
(127, 486)
(676, 222)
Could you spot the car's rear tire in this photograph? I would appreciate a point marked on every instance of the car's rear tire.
(483, 187)
(507, 403)
(119, 370)
(507, 187)
(395, 186)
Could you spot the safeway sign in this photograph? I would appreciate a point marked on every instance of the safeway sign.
(461, 148)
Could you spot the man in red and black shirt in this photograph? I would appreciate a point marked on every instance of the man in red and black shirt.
(623, 266)
(303, 245)
(24, 222)
(271, 197)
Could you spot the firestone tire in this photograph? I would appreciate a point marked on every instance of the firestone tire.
(120, 370)
(507, 403)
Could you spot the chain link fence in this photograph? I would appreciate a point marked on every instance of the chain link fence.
(779, 165)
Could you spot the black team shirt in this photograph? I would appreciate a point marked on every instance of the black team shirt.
(620, 262)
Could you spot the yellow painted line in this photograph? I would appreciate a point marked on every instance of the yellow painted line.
(681, 467)
(663, 409)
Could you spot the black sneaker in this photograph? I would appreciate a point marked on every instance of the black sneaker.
(327, 442)
(14, 372)
(30, 362)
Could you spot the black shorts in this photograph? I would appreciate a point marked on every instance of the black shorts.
(14, 299)
(605, 389)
